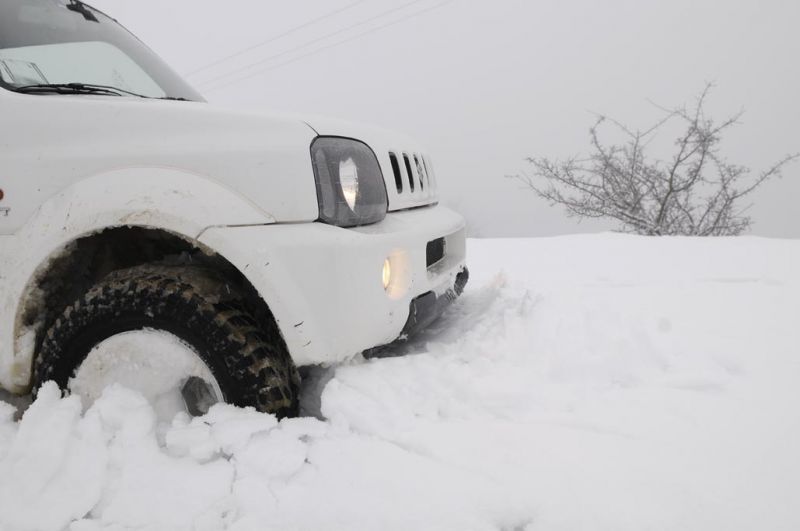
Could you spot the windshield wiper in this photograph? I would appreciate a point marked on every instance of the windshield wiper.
(75, 88)
(86, 88)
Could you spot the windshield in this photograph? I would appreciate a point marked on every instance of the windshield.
(66, 42)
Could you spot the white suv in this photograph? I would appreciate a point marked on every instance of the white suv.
(193, 253)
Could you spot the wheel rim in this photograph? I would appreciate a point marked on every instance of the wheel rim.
(164, 369)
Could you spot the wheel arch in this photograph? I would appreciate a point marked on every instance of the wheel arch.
(112, 216)
(76, 266)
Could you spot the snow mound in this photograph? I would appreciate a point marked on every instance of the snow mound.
(588, 382)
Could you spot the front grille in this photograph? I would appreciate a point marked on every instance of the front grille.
(434, 252)
(413, 175)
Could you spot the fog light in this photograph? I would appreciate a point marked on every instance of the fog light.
(387, 273)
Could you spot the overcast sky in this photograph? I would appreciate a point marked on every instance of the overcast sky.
(486, 83)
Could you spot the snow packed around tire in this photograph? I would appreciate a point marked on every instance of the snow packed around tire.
(584, 382)
(249, 359)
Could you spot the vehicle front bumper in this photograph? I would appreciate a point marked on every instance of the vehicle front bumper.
(324, 284)
(426, 308)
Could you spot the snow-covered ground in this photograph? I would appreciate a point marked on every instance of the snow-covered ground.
(587, 382)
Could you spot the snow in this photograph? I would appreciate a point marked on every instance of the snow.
(127, 359)
(586, 382)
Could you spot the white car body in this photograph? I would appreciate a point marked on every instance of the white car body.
(240, 185)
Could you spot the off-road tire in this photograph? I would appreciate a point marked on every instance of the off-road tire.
(249, 359)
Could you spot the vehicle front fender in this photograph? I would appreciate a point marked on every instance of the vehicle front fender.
(163, 198)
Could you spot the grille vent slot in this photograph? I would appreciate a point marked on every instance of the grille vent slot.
(398, 177)
(427, 171)
(409, 173)
(420, 172)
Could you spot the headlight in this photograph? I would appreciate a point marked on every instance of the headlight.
(350, 186)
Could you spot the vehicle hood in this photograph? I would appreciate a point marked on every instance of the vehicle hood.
(262, 156)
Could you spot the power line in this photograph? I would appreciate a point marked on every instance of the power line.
(274, 38)
(318, 50)
(309, 43)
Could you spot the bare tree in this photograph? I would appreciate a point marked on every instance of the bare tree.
(698, 192)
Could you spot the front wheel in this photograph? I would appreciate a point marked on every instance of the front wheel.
(176, 334)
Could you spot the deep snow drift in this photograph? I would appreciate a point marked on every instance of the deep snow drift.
(585, 382)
